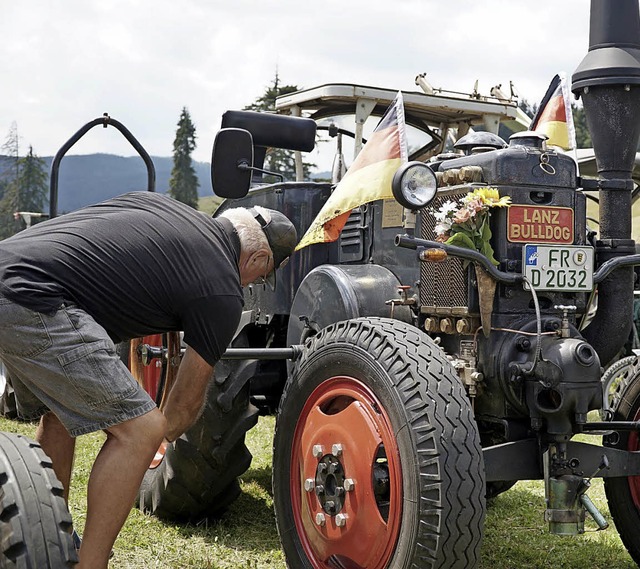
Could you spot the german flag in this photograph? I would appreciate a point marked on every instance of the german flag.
(368, 179)
(554, 117)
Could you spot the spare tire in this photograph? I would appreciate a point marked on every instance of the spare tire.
(35, 524)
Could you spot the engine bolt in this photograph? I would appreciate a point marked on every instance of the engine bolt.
(320, 519)
(319, 489)
(341, 520)
(432, 325)
(349, 484)
(334, 467)
(322, 468)
(446, 326)
(339, 491)
(309, 484)
(330, 506)
(336, 449)
(317, 451)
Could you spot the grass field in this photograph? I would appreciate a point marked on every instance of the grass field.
(515, 535)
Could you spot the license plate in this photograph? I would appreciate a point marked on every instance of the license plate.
(558, 267)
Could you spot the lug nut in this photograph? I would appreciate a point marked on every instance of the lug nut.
(309, 484)
(336, 449)
(317, 451)
(341, 520)
(320, 519)
(349, 484)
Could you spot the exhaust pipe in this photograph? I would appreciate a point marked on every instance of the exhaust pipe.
(608, 81)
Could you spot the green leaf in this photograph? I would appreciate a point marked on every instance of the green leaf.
(461, 240)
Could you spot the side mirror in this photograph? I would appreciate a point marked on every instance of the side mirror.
(232, 162)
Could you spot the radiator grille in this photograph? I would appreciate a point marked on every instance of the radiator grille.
(443, 286)
(352, 237)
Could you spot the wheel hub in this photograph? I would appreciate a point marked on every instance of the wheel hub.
(329, 484)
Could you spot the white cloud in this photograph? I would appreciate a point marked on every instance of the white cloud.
(65, 63)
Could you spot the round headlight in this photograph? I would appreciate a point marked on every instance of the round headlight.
(414, 185)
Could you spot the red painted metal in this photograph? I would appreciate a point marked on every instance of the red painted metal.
(634, 481)
(152, 373)
(343, 410)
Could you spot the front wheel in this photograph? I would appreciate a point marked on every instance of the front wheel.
(623, 494)
(377, 460)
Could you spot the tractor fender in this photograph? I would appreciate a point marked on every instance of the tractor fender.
(331, 293)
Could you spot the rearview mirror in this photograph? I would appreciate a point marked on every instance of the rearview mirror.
(231, 163)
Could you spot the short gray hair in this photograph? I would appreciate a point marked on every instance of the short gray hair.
(252, 238)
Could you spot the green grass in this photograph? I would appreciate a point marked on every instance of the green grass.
(516, 536)
(209, 204)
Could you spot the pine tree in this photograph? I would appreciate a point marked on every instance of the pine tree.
(10, 154)
(277, 159)
(27, 192)
(583, 138)
(183, 184)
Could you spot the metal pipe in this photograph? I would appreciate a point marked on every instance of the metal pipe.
(105, 121)
(469, 254)
(290, 353)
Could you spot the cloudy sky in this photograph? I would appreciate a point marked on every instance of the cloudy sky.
(65, 62)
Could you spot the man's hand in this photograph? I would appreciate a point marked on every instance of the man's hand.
(187, 396)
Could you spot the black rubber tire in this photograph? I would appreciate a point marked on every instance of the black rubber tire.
(35, 524)
(443, 484)
(625, 513)
(614, 376)
(198, 477)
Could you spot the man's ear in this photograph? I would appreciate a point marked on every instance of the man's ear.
(258, 259)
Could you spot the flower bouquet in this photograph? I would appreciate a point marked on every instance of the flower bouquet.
(466, 224)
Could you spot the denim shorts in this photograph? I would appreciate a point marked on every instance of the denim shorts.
(66, 363)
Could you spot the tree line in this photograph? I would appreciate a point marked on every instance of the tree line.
(24, 180)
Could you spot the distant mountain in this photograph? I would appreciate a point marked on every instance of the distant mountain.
(91, 178)
(88, 179)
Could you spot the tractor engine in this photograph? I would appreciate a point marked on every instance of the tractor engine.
(522, 355)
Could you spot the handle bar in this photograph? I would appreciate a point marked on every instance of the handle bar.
(105, 121)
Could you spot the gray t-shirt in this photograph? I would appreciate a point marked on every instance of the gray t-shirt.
(140, 263)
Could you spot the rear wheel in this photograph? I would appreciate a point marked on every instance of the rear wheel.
(377, 460)
(197, 476)
(35, 524)
(623, 494)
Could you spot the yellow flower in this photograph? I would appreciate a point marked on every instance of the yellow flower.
(491, 197)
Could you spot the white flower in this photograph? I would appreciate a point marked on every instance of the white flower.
(442, 227)
(446, 211)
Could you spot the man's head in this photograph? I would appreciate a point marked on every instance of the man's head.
(267, 239)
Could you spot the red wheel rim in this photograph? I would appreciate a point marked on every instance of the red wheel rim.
(634, 481)
(151, 377)
(152, 374)
(361, 529)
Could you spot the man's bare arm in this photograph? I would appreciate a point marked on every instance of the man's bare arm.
(187, 396)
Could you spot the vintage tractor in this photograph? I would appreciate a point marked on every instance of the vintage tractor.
(414, 378)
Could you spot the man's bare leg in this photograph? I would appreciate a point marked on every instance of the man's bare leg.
(59, 447)
(114, 482)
